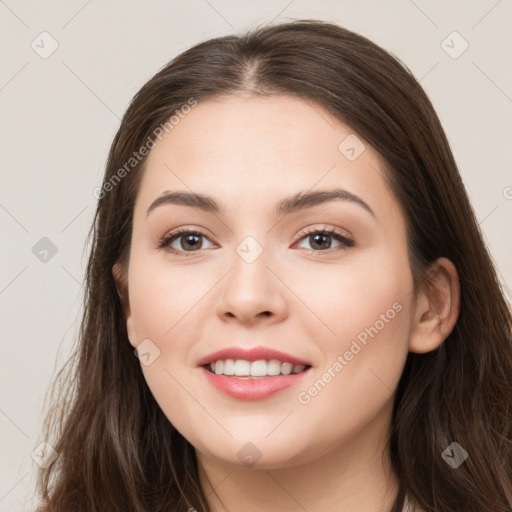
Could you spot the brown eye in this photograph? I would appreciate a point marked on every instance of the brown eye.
(322, 240)
(190, 241)
(183, 241)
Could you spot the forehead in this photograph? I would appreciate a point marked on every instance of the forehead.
(247, 149)
(254, 130)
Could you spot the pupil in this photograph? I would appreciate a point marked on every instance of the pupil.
(318, 238)
(191, 237)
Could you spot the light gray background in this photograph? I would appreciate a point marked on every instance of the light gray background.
(59, 115)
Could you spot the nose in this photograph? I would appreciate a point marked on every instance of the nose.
(252, 293)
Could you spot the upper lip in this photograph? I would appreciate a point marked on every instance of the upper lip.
(252, 354)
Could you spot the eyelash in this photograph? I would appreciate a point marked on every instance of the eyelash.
(166, 241)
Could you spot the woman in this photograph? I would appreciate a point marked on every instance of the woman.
(283, 239)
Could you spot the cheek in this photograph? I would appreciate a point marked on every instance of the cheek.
(364, 360)
(356, 383)
(172, 388)
(361, 327)
(166, 300)
(364, 291)
(168, 307)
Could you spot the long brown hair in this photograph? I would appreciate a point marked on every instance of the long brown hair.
(117, 450)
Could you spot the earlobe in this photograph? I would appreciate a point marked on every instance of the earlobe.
(122, 290)
(437, 307)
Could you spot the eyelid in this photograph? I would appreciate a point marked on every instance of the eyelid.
(324, 229)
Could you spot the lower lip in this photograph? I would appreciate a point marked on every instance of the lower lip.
(252, 389)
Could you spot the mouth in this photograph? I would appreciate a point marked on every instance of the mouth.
(250, 387)
(259, 369)
(252, 374)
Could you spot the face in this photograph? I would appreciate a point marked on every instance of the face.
(325, 282)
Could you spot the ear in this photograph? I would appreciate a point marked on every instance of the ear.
(437, 307)
(120, 278)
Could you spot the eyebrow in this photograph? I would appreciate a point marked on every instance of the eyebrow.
(300, 201)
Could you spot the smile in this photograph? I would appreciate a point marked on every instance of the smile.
(259, 368)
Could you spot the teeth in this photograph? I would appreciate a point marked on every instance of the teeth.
(229, 367)
(242, 368)
(260, 368)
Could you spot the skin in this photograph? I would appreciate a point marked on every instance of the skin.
(249, 153)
